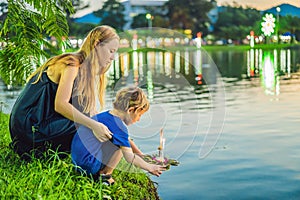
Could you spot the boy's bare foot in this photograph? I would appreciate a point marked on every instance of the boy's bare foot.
(107, 179)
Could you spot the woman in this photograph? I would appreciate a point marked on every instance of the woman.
(61, 92)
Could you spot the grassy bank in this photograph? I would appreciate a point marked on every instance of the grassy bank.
(246, 47)
(54, 178)
(216, 47)
(207, 48)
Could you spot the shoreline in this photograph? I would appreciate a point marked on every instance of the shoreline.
(213, 48)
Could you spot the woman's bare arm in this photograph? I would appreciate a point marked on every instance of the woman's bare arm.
(63, 106)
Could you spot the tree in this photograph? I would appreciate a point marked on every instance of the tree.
(158, 18)
(237, 22)
(198, 11)
(139, 21)
(160, 21)
(26, 26)
(189, 14)
(80, 30)
(289, 24)
(112, 13)
(74, 27)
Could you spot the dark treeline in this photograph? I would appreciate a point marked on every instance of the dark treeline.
(233, 22)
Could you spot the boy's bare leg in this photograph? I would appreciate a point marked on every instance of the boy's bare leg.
(112, 164)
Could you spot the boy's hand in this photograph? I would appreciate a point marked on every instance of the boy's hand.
(157, 169)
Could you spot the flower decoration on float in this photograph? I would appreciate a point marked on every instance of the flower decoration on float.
(160, 158)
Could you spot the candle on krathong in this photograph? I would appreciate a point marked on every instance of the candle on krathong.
(163, 143)
(161, 135)
(161, 147)
(162, 156)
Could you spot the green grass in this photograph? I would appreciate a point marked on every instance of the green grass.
(219, 47)
(208, 48)
(55, 178)
(246, 47)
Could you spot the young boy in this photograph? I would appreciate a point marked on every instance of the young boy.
(101, 158)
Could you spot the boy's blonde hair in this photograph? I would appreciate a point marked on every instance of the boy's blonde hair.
(129, 97)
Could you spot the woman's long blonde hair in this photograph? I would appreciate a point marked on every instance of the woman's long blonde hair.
(87, 79)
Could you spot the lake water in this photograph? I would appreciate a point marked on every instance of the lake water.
(230, 118)
(236, 135)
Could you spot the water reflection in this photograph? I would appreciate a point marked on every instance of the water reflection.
(196, 68)
(269, 66)
(281, 61)
(269, 75)
(7, 97)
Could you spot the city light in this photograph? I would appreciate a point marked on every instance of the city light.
(149, 17)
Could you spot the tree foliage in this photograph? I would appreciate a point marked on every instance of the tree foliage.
(78, 29)
(158, 18)
(139, 21)
(26, 26)
(189, 14)
(236, 22)
(112, 13)
(289, 24)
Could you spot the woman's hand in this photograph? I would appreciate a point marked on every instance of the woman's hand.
(101, 132)
(156, 169)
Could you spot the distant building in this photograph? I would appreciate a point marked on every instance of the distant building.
(136, 7)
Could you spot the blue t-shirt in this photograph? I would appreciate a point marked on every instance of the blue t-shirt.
(92, 155)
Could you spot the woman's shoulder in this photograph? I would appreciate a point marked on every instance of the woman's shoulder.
(63, 64)
(71, 59)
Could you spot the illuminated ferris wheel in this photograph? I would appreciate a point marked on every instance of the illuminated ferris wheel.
(268, 24)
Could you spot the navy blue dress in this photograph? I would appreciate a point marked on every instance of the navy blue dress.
(34, 124)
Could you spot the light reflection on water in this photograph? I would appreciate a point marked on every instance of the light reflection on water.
(257, 154)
